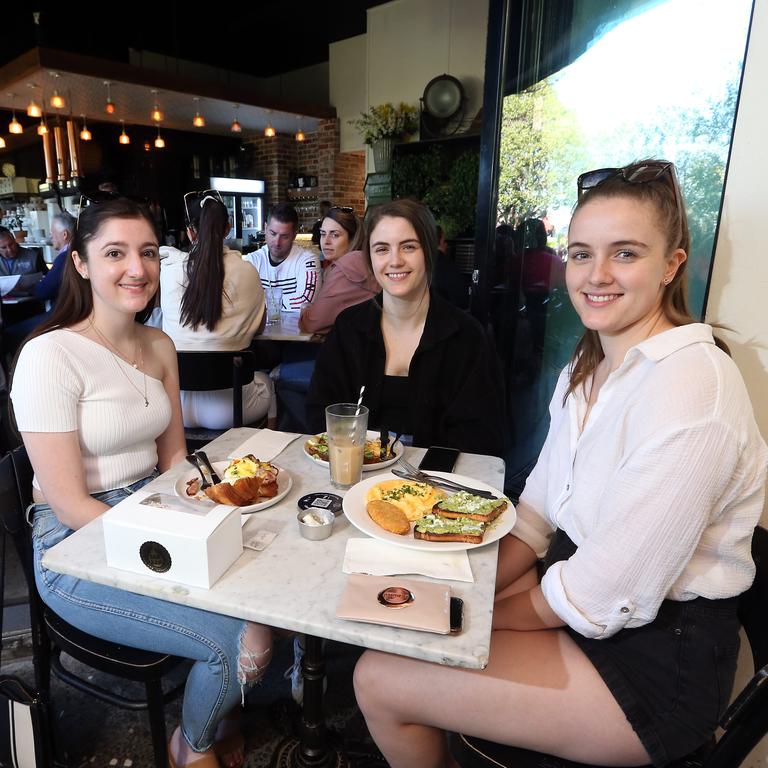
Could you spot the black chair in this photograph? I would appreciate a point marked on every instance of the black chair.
(744, 724)
(51, 635)
(205, 371)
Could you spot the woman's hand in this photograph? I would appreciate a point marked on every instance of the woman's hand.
(61, 479)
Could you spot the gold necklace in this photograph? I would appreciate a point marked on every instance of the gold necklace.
(138, 365)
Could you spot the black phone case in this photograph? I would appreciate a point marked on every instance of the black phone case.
(439, 459)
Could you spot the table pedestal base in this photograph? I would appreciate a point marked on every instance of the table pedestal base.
(290, 754)
(311, 749)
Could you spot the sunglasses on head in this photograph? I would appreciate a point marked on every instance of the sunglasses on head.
(201, 197)
(637, 173)
(344, 208)
(94, 198)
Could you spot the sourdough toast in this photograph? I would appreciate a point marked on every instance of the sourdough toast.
(463, 504)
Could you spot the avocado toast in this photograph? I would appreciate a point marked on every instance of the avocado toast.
(465, 505)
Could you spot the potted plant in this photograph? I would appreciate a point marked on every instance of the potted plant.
(382, 126)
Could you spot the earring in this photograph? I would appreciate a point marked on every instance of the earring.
(667, 280)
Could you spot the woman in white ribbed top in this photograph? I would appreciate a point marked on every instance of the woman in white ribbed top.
(642, 505)
(96, 398)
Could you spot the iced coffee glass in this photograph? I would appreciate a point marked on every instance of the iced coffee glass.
(346, 425)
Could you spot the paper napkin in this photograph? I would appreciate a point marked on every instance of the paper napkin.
(265, 444)
(378, 558)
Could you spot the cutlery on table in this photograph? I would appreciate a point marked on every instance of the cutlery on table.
(408, 471)
(204, 458)
(192, 459)
(383, 442)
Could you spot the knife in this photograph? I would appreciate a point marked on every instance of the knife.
(440, 483)
(214, 477)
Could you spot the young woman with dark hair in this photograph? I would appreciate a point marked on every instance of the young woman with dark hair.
(347, 280)
(212, 300)
(96, 398)
(642, 506)
(427, 367)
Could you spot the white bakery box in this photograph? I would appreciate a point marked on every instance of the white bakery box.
(170, 538)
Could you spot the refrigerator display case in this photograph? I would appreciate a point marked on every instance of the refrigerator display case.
(245, 200)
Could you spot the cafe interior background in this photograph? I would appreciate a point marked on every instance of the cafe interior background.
(548, 88)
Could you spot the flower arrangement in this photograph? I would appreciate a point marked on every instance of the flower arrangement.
(387, 121)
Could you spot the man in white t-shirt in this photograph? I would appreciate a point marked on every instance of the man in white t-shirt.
(284, 265)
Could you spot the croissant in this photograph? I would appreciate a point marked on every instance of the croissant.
(246, 490)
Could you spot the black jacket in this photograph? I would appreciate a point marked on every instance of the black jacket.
(456, 388)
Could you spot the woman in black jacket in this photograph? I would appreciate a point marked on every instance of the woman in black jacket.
(427, 367)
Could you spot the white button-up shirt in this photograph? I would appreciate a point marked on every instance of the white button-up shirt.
(660, 492)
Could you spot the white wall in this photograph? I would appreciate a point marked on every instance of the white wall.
(348, 89)
(738, 295)
(408, 42)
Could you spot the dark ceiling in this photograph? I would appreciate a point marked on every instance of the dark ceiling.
(261, 38)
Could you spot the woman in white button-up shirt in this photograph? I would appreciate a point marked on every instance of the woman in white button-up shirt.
(642, 505)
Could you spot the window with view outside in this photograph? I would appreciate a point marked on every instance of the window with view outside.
(651, 79)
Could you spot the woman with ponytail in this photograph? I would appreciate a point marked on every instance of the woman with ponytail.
(212, 300)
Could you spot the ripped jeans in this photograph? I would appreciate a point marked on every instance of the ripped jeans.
(217, 678)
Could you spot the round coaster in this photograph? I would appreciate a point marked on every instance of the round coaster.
(329, 501)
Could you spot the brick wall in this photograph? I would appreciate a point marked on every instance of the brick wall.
(341, 176)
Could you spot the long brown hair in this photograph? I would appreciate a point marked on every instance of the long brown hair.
(75, 300)
(202, 302)
(418, 216)
(666, 197)
(348, 221)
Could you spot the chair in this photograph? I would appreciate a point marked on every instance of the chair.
(51, 635)
(744, 724)
(205, 371)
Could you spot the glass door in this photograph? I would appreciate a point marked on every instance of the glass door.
(583, 85)
(252, 217)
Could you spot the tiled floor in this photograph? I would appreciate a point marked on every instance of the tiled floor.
(94, 734)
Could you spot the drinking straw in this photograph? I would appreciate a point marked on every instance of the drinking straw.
(360, 400)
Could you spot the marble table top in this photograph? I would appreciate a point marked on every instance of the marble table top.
(295, 583)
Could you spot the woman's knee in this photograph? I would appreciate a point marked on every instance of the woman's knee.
(255, 653)
(369, 680)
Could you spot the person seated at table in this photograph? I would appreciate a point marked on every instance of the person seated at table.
(17, 260)
(281, 264)
(347, 279)
(96, 398)
(427, 367)
(62, 232)
(642, 504)
(212, 300)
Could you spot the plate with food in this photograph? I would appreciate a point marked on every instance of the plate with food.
(316, 449)
(418, 516)
(247, 483)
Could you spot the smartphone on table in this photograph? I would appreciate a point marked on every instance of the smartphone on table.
(439, 459)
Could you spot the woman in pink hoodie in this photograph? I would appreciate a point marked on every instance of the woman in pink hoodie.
(347, 280)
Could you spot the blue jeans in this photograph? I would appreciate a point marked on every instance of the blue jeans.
(213, 641)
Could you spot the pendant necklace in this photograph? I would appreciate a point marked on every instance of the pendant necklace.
(137, 362)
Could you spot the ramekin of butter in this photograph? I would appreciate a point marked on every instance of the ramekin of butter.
(315, 524)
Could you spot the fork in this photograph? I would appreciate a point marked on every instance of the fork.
(405, 469)
(192, 459)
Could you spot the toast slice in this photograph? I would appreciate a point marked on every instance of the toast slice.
(463, 504)
(433, 527)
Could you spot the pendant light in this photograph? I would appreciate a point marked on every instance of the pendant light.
(159, 141)
(109, 107)
(299, 136)
(57, 101)
(124, 137)
(269, 131)
(85, 134)
(2, 143)
(42, 129)
(15, 126)
(157, 115)
(198, 120)
(34, 109)
(236, 127)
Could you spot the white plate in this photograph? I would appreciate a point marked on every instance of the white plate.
(397, 452)
(284, 483)
(354, 509)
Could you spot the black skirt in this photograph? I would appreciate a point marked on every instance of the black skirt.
(672, 677)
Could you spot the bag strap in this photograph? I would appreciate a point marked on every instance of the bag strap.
(2, 590)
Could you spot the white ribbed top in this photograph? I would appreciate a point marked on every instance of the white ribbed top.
(661, 492)
(65, 382)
